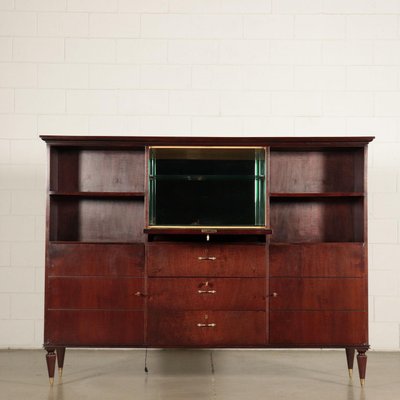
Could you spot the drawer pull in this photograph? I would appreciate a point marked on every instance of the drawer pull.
(207, 291)
(212, 325)
(274, 294)
(207, 258)
(140, 294)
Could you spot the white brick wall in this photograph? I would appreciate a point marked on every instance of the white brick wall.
(188, 67)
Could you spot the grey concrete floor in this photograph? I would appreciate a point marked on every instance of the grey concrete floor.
(198, 374)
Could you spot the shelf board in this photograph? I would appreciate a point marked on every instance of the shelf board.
(319, 194)
(319, 243)
(97, 194)
(107, 242)
(205, 177)
(208, 230)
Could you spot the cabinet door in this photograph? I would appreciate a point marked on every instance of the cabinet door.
(93, 295)
(318, 295)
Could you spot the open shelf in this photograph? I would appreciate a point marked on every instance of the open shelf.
(325, 219)
(325, 194)
(324, 171)
(75, 170)
(97, 194)
(87, 219)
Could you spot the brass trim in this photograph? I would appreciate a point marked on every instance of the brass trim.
(208, 147)
(205, 227)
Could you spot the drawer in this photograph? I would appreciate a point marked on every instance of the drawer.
(322, 259)
(206, 293)
(94, 328)
(318, 294)
(341, 328)
(207, 329)
(95, 293)
(217, 260)
(67, 259)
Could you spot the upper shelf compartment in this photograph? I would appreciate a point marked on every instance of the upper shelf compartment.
(96, 171)
(330, 172)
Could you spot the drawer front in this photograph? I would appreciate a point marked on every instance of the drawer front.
(318, 294)
(94, 328)
(207, 329)
(95, 293)
(66, 259)
(206, 260)
(206, 294)
(313, 260)
(318, 328)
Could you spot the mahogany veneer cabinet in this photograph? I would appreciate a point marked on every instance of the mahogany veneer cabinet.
(300, 280)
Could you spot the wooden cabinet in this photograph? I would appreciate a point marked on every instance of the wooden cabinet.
(292, 273)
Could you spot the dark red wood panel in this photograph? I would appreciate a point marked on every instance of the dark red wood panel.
(94, 328)
(318, 328)
(322, 259)
(206, 294)
(81, 259)
(206, 260)
(318, 294)
(95, 293)
(232, 328)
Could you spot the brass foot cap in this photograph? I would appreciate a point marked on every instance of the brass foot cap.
(51, 380)
(350, 373)
(60, 372)
(362, 381)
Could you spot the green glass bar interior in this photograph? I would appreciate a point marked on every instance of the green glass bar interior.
(207, 186)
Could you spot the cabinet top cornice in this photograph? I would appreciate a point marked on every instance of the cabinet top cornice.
(138, 141)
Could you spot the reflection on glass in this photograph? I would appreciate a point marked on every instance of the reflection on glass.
(206, 186)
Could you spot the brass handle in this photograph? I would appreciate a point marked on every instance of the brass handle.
(207, 291)
(140, 294)
(212, 325)
(274, 294)
(207, 258)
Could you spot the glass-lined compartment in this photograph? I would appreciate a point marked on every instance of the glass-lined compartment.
(207, 186)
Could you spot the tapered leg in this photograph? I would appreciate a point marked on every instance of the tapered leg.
(362, 364)
(350, 360)
(51, 363)
(60, 360)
